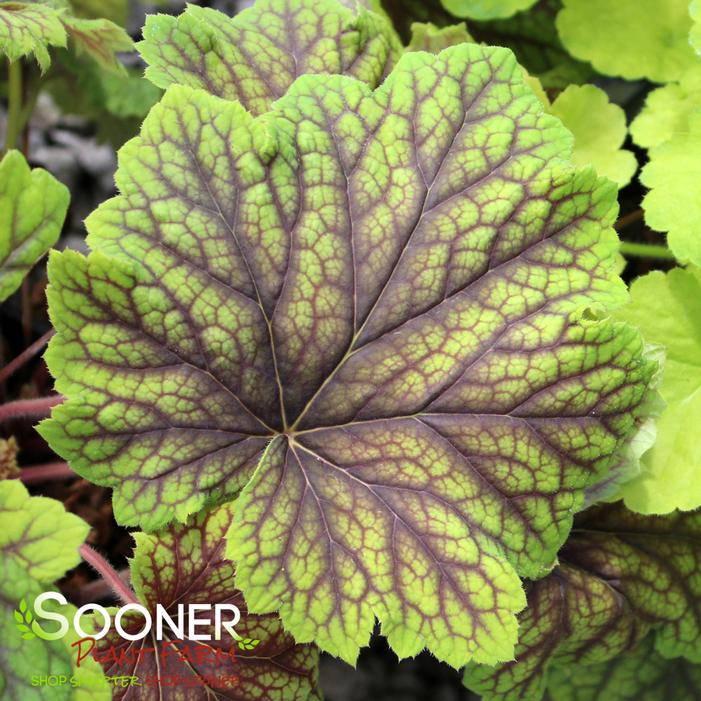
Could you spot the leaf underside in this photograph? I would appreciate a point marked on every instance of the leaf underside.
(100, 39)
(376, 314)
(621, 576)
(186, 565)
(666, 307)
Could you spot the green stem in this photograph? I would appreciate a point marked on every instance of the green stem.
(14, 106)
(30, 101)
(646, 250)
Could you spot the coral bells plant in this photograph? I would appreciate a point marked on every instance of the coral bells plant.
(351, 350)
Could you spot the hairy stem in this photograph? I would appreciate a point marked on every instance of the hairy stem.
(646, 250)
(50, 472)
(108, 573)
(14, 104)
(25, 356)
(97, 589)
(29, 408)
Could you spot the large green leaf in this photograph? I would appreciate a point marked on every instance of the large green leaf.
(27, 28)
(599, 129)
(668, 110)
(486, 9)
(640, 675)
(667, 309)
(33, 206)
(255, 56)
(377, 313)
(534, 39)
(620, 575)
(39, 541)
(629, 38)
(116, 102)
(673, 204)
(695, 35)
(37, 537)
(186, 565)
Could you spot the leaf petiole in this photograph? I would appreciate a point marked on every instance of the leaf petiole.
(25, 356)
(646, 250)
(51, 472)
(14, 108)
(29, 408)
(108, 573)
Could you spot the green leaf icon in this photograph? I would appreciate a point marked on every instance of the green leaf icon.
(248, 643)
(23, 619)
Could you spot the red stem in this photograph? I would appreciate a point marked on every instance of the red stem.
(25, 356)
(51, 472)
(29, 408)
(108, 573)
(96, 590)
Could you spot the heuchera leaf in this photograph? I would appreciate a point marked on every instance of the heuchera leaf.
(620, 575)
(375, 313)
(695, 34)
(116, 102)
(186, 565)
(100, 39)
(28, 28)
(116, 11)
(599, 129)
(668, 110)
(667, 309)
(33, 206)
(39, 541)
(89, 678)
(643, 675)
(673, 204)
(428, 37)
(534, 39)
(37, 536)
(486, 9)
(629, 38)
(256, 55)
